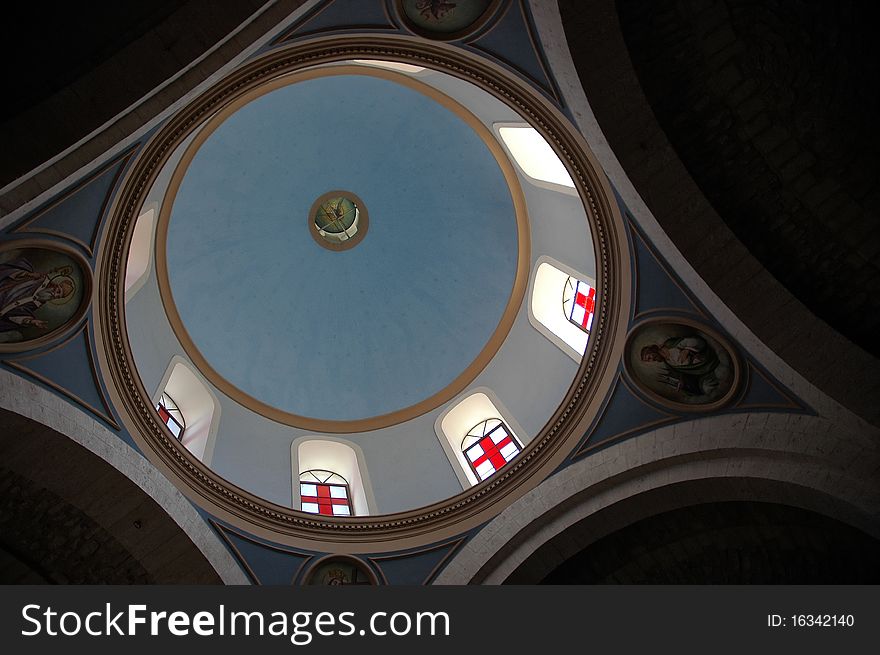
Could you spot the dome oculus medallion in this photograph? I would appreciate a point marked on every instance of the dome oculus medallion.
(338, 220)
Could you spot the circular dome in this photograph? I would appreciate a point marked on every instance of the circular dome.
(465, 240)
(408, 317)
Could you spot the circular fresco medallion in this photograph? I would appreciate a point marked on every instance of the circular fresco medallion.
(446, 19)
(339, 571)
(338, 220)
(44, 289)
(682, 364)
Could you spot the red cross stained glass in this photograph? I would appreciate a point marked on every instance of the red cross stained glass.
(325, 493)
(492, 446)
(579, 303)
(170, 415)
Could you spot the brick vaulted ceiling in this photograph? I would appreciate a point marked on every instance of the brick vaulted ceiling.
(772, 108)
(66, 516)
(723, 543)
(746, 127)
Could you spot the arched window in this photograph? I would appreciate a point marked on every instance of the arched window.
(562, 305)
(488, 446)
(578, 303)
(479, 436)
(329, 477)
(139, 253)
(535, 157)
(324, 492)
(189, 409)
(171, 416)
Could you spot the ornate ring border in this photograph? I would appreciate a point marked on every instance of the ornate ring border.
(671, 404)
(363, 221)
(425, 525)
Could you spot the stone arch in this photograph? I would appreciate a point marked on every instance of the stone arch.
(800, 461)
(666, 202)
(59, 456)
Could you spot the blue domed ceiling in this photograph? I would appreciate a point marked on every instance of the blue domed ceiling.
(363, 332)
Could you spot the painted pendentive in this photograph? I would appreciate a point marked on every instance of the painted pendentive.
(339, 571)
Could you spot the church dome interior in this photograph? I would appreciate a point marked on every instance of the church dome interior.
(273, 343)
(397, 292)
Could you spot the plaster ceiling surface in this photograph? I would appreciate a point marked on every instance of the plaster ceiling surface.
(362, 332)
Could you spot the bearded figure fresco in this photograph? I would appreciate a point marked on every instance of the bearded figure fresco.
(41, 291)
(681, 363)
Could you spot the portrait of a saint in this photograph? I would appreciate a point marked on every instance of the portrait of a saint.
(680, 363)
(40, 291)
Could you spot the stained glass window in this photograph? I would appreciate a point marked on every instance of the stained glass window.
(324, 492)
(488, 446)
(171, 415)
(578, 303)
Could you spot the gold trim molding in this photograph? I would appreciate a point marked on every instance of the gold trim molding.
(474, 506)
(367, 424)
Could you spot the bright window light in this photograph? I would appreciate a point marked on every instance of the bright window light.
(393, 65)
(480, 441)
(564, 305)
(535, 156)
(139, 251)
(185, 395)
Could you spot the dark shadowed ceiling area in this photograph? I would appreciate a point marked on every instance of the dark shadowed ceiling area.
(771, 106)
(73, 69)
(67, 516)
(81, 39)
(727, 543)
